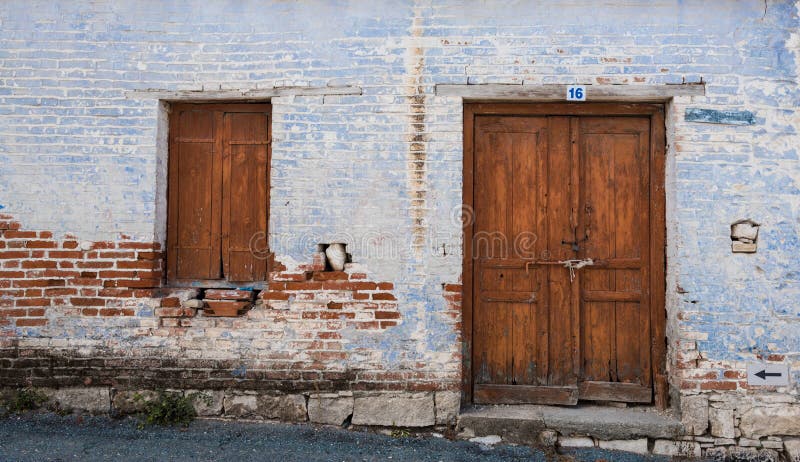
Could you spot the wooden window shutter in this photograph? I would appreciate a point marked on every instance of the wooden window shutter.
(195, 180)
(244, 202)
(218, 208)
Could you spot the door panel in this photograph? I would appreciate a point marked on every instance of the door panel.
(615, 323)
(547, 189)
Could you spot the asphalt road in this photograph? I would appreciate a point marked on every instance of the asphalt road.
(47, 437)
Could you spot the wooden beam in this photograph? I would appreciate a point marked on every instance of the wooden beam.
(524, 394)
(233, 95)
(615, 391)
(541, 93)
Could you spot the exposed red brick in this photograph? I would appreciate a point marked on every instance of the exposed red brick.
(13, 313)
(170, 302)
(113, 292)
(453, 287)
(15, 234)
(385, 286)
(137, 264)
(139, 245)
(383, 296)
(358, 276)
(64, 254)
(274, 295)
(39, 283)
(70, 245)
(717, 385)
(89, 311)
(360, 296)
(94, 264)
(60, 291)
(148, 255)
(12, 274)
(330, 276)
(116, 274)
(30, 322)
(33, 302)
(85, 281)
(116, 312)
(334, 306)
(306, 285)
(117, 254)
(33, 292)
(173, 312)
(385, 324)
(14, 254)
(41, 244)
(39, 264)
(387, 315)
(35, 312)
(734, 374)
(84, 301)
(103, 245)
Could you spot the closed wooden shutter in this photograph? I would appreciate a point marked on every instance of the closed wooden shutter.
(195, 182)
(218, 193)
(244, 207)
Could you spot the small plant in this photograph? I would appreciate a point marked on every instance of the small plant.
(170, 409)
(400, 433)
(26, 399)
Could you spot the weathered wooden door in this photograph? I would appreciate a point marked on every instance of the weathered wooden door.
(561, 254)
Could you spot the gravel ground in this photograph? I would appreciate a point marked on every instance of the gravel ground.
(47, 437)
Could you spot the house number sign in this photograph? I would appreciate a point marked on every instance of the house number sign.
(576, 93)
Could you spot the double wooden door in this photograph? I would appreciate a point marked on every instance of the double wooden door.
(565, 254)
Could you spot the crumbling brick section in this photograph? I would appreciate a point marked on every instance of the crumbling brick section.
(333, 295)
(38, 272)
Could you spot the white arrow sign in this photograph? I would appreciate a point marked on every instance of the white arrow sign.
(768, 374)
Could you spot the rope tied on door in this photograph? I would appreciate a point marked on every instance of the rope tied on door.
(576, 264)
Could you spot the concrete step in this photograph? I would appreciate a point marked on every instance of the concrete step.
(522, 424)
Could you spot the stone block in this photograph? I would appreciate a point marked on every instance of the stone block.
(639, 446)
(722, 423)
(716, 454)
(747, 442)
(96, 400)
(740, 454)
(694, 414)
(286, 408)
(330, 408)
(676, 448)
(131, 402)
(764, 421)
(447, 403)
(394, 409)
(207, 403)
(575, 442)
(777, 445)
(547, 438)
(236, 405)
(792, 448)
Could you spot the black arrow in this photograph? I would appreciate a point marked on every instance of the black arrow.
(764, 374)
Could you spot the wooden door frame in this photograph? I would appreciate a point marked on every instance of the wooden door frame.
(657, 287)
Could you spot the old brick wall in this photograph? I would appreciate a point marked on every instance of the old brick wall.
(82, 169)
